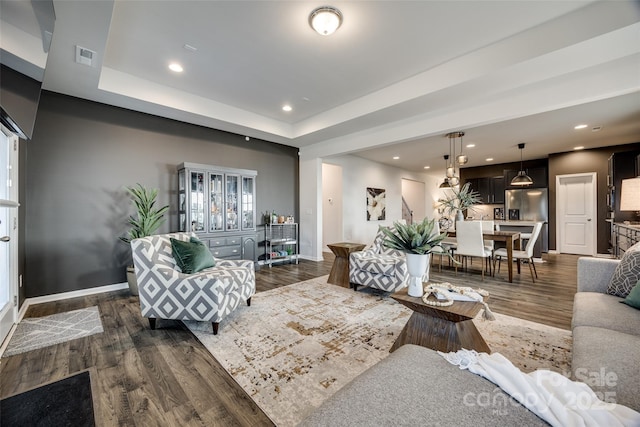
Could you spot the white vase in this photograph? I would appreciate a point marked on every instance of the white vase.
(418, 269)
(459, 216)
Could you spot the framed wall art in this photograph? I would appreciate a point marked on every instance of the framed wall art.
(376, 204)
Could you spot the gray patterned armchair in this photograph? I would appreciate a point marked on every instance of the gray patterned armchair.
(378, 267)
(167, 293)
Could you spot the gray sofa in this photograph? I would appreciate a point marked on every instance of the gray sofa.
(606, 336)
(415, 386)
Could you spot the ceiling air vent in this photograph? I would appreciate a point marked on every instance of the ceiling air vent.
(85, 56)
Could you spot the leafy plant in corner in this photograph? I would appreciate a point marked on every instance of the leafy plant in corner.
(148, 218)
(461, 199)
(417, 238)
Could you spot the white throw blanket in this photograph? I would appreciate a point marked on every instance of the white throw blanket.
(550, 395)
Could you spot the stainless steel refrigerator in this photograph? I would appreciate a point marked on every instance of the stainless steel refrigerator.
(530, 204)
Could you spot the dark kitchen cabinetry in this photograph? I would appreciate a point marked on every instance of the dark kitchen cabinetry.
(491, 189)
(538, 175)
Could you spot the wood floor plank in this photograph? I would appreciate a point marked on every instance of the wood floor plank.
(167, 377)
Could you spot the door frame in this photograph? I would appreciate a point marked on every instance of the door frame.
(12, 312)
(594, 210)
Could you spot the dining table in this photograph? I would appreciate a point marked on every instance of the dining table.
(510, 238)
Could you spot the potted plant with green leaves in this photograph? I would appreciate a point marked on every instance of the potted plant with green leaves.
(460, 200)
(147, 220)
(417, 241)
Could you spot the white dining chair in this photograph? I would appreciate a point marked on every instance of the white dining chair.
(470, 243)
(445, 247)
(519, 255)
(488, 226)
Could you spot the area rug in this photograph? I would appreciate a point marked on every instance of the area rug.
(37, 332)
(67, 402)
(299, 344)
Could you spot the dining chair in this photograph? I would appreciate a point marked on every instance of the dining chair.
(519, 255)
(488, 226)
(446, 246)
(470, 243)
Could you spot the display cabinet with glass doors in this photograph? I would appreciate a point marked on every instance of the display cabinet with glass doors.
(219, 204)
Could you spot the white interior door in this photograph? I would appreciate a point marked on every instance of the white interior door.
(8, 232)
(576, 213)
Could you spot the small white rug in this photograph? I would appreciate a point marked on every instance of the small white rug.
(299, 344)
(37, 332)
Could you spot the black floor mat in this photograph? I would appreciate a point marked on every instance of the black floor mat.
(67, 402)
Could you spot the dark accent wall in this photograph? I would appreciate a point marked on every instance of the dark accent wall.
(594, 160)
(78, 162)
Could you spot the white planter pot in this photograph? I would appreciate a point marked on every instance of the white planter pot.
(131, 279)
(418, 269)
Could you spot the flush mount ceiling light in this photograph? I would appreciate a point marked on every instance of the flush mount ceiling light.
(522, 179)
(174, 66)
(325, 20)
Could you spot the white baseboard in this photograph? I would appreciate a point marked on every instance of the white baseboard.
(58, 297)
(318, 259)
(68, 295)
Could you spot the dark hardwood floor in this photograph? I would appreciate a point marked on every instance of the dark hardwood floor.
(165, 377)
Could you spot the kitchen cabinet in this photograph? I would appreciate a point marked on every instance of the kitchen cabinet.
(491, 189)
(219, 205)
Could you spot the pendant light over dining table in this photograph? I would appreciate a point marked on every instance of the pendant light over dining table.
(452, 177)
(522, 179)
(445, 183)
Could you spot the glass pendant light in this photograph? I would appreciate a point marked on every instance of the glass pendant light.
(462, 159)
(445, 183)
(452, 178)
(522, 179)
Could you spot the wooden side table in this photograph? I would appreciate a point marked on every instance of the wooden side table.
(440, 328)
(340, 270)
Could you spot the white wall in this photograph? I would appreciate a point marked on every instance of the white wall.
(414, 193)
(357, 175)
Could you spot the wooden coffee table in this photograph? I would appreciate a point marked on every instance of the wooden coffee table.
(340, 270)
(440, 328)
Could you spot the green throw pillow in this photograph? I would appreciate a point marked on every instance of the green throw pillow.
(633, 299)
(191, 256)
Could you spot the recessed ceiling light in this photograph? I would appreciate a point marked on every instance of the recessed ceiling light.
(580, 147)
(471, 145)
(427, 167)
(580, 127)
(489, 159)
(174, 66)
(396, 157)
(287, 108)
